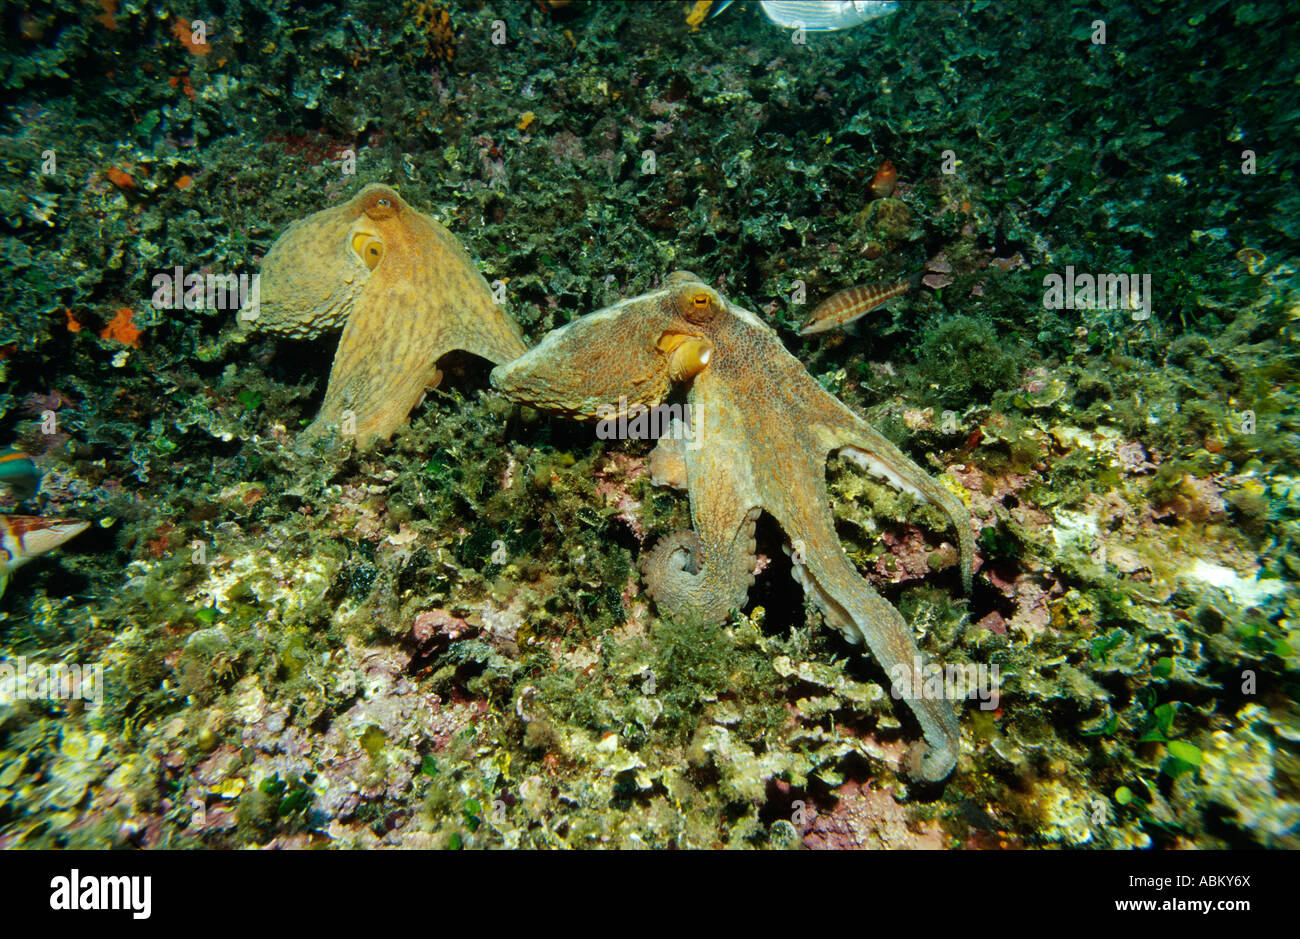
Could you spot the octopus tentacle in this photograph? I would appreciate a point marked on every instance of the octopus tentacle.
(850, 605)
(874, 453)
(379, 373)
(667, 463)
(688, 576)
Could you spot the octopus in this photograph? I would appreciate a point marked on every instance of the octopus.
(404, 292)
(761, 430)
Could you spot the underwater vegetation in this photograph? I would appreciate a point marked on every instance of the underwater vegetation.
(462, 635)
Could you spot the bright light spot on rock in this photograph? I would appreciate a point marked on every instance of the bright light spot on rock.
(1247, 592)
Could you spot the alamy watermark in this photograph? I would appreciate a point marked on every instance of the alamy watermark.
(1102, 291)
(634, 421)
(77, 891)
(969, 680)
(21, 680)
(175, 290)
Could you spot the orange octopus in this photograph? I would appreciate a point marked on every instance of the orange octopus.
(762, 431)
(403, 290)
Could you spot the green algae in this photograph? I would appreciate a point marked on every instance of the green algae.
(963, 359)
(762, 183)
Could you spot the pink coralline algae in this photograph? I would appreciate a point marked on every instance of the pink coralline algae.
(1133, 458)
(612, 481)
(994, 623)
(1199, 499)
(1035, 380)
(908, 558)
(438, 627)
(566, 148)
(370, 752)
(1015, 262)
(868, 818)
(1032, 595)
(36, 403)
(938, 272)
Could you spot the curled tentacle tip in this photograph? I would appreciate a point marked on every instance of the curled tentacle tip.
(671, 567)
(929, 764)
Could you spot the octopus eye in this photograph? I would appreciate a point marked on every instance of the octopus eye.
(699, 304)
(381, 205)
(369, 248)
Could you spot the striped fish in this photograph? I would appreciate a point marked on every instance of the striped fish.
(849, 305)
(23, 537)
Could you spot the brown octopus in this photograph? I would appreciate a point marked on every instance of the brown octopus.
(403, 290)
(763, 429)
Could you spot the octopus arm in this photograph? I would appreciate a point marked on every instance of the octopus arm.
(862, 616)
(387, 358)
(871, 451)
(707, 572)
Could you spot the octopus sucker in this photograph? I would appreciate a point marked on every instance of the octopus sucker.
(763, 430)
(912, 480)
(679, 552)
(688, 579)
(404, 292)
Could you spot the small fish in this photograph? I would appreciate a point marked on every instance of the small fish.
(816, 16)
(18, 473)
(23, 537)
(848, 305)
(883, 183)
